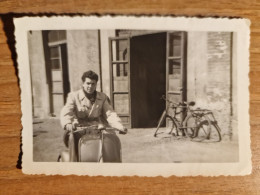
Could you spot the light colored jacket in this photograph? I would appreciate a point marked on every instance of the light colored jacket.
(78, 108)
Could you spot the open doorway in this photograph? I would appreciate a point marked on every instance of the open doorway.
(142, 69)
(148, 78)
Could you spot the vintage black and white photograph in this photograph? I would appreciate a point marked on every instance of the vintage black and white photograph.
(137, 93)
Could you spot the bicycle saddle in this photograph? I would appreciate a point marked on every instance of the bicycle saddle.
(192, 103)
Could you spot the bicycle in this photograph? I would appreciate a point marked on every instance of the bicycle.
(198, 124)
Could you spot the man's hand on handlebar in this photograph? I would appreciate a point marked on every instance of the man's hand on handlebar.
(123, 131)
(71, 126)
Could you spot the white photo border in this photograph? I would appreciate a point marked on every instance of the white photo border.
(240, 26)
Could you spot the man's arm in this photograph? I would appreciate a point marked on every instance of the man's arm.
(111, 116)
(67, 114)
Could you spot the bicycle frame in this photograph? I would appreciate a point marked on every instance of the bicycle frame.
(185, 108)
(195, 121)
(181, 125)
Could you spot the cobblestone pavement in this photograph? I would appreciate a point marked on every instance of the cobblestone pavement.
(138, 145)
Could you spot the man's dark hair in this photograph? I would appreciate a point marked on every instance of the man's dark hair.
(89, 74)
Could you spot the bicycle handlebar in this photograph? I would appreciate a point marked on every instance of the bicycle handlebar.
(203, 111)
(180, 104)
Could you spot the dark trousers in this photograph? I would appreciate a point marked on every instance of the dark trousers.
(77, 136)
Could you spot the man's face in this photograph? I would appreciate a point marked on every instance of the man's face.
(89, 85)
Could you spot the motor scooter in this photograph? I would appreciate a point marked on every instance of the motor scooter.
(95, 145)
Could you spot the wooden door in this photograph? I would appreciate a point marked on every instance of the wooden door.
(120, 74)
(60, 86)
(176, 67)
(56, 61)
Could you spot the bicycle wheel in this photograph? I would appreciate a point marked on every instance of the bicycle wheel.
(174, 128)
(208, 131)
(215, 135)
(190, 125)
(162, 118)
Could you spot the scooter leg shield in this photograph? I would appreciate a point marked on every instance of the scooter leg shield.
(65, 157)
(111, 148)
(89, 149)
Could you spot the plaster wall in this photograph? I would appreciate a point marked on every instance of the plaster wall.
(209, 65)
(40, 90)
(104, 40)
(83, 55)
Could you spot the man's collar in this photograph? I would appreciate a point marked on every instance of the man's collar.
(98, 96)
(82, 95)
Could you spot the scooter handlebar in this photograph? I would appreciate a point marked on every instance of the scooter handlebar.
(83, 128)
(120, 131)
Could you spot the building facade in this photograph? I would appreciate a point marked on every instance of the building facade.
(136, 68)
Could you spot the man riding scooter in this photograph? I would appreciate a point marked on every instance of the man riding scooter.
(88, 107)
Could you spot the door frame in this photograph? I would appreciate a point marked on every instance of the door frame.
(183, 60)
(183, 57)
(48, 68)
(111, 62)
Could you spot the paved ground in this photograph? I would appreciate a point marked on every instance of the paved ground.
(138, 145)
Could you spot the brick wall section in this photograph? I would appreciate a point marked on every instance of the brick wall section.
(219, 78)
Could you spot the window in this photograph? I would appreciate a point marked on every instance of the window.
(55, 47)
(176, 66)
(56, 35)
(55, 39)
(119, 77)
(55, 57)
(120, 57)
